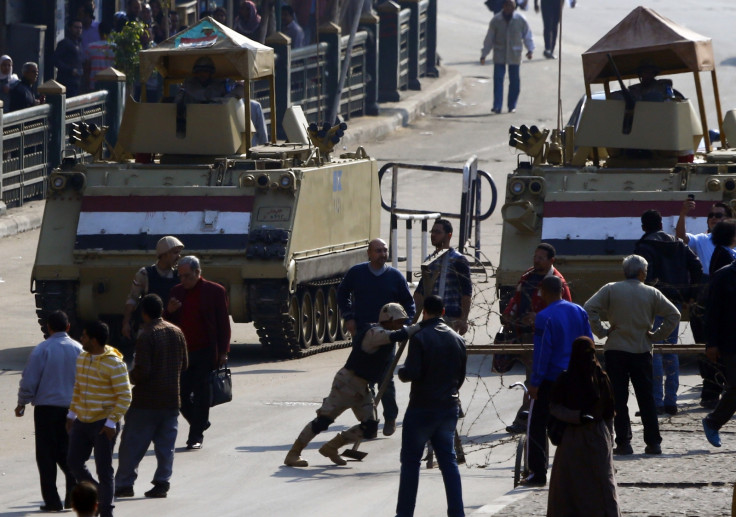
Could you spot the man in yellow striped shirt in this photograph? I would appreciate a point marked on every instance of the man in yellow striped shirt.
(101, 397)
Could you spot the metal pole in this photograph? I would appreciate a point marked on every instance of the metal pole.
(394, 238)
(424, 238)
(335, 109)
(409, 262)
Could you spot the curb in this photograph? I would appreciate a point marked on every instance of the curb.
(12, 224)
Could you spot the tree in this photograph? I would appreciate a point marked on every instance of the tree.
(126, 45)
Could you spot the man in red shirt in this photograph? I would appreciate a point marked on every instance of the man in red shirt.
(200, 309)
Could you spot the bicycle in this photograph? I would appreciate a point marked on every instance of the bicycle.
(521, 466)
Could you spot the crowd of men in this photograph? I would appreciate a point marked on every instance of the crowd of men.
(663, 276)
(180, 324)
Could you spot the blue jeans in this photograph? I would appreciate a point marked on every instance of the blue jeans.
(83, 438)
(143, 426)
(666, 365)
(437, 426)
(499, 73)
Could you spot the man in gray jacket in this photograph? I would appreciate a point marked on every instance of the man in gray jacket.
(631, 306)
(505, 34)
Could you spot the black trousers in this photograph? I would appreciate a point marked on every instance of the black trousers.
(195, 393)
(622, 367)
(537, 438)
(52, 446)
(727, 405)
(551, 10)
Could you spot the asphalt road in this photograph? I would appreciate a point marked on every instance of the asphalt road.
(239, 471)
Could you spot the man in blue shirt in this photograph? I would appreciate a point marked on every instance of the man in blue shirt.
(555, 328)
(366, 288)
(48, 383)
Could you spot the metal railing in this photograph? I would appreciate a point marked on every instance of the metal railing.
(353, 97)
(25, 155)
(88, 108)
(404, 18)
(307, 80)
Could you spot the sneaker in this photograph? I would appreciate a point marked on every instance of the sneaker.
(653, 449)
(389, 427)
(124, 491)
(51, 508)
(711, 433)
(516, 428)
(670, 410)
(194, 446)
(496, 111)
(512, 110)
(623, 449)
(158, 490)
(534, 481)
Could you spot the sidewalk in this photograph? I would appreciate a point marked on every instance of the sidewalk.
(690, 478)
(361, 131)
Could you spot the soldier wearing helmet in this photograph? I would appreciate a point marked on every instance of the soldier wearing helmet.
(372, 349)
(158, 278)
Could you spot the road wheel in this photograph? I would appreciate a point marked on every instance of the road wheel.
(342, 333)
(332, 314)
(320, 316)
(306, 319)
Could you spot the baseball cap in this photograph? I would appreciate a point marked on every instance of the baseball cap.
(166, 244)
(392, 311)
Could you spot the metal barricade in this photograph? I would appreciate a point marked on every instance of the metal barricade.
(423, 19)
(25, 155)
(470, 215)
(409, 218)
(404, 18)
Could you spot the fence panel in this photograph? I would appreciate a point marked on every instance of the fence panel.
(353, 97)
(307, 80)
(404, 18)
(423, 21)
(25, 155)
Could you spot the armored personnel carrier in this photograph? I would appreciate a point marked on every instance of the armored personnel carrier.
(583, 189)
(277, 225)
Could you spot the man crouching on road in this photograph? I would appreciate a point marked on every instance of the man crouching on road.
(435, 365)
(371, 355)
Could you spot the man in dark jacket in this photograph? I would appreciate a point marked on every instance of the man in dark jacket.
(69, 59)
(435, 365)
(22, 94)
(675, 270)
(721, 346)
(160, 357)
(200, 309)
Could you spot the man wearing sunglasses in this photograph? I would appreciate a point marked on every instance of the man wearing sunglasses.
(702, 245)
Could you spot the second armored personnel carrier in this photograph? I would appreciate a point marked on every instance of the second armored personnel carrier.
(277, 225)
(584, 189)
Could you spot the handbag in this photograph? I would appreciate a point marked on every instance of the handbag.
(555, 430)
(221, 386)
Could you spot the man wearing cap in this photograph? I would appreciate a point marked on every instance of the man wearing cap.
(158, 279)
(371, 353)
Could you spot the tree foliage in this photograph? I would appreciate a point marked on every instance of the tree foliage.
(126, 45)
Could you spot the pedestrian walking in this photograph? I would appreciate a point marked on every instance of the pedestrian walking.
(435, 366)
(47, 382)
(721, 346)
(506, 32)
(676, 271)
(372, 350)
(200, 309)
(555, 328)
(101, 398)
(631, 307)
(160, 358)
(583, 480)
(364, 290)
(551, 15)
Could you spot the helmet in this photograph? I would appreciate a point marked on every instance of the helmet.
(166, 244)
(392, 311)
(205, 64)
